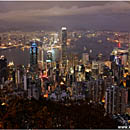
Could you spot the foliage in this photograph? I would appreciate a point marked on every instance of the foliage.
(23, 113)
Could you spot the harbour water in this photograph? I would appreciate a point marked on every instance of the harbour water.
(18, 55)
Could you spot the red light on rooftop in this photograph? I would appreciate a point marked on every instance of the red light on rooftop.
(119, 44)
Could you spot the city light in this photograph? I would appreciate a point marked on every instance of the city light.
(64, 65)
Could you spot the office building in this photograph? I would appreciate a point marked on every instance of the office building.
(18, 77)
(95, 68)
(64, 45)
(33, 56)
(25, 82)
(64, 35)
(3, 69)
(85, 58)
(116, 99)
(33, 87)
(33, 92)
(96, 90)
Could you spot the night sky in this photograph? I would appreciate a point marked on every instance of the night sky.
(29, 16)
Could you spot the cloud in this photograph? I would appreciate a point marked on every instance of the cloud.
(96, 15)
(32, 14)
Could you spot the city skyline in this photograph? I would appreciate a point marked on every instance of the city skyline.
(64, 65)
(75, 15)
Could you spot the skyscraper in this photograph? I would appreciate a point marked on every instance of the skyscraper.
(85, 58)
(41, 57)
(116, 99)
(64, 35)
(3, 69)
(33, 55)
(64, 45)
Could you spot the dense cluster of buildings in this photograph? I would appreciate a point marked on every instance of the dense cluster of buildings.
(56, 74)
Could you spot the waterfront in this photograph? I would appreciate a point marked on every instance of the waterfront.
(17, 55)
(64, 65)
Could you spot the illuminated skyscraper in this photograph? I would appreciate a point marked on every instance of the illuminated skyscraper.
(25, 81)
(56, 38)
(64, 45)
(33, 55)
(49, 56)
(41, 57)
(64, 35)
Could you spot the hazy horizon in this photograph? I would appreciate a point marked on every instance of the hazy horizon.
(75, 15)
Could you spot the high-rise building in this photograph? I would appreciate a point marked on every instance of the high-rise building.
(3, 69)
(116, 99)
(119, 56)
(57, 72)
(95, 68)
(33, 86)
(56, 54)
(25, 82)
(49, 57)
(18, 77)
(64, 45)
(64, 35)
(34, 92)
(33, 55)
(85, 58)
(124, 59)
(11, 72)
(55, 38)
(41, 57)
(96, 90)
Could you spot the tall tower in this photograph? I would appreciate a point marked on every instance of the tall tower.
(41, 57)
(64, 45)
(33, 55)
